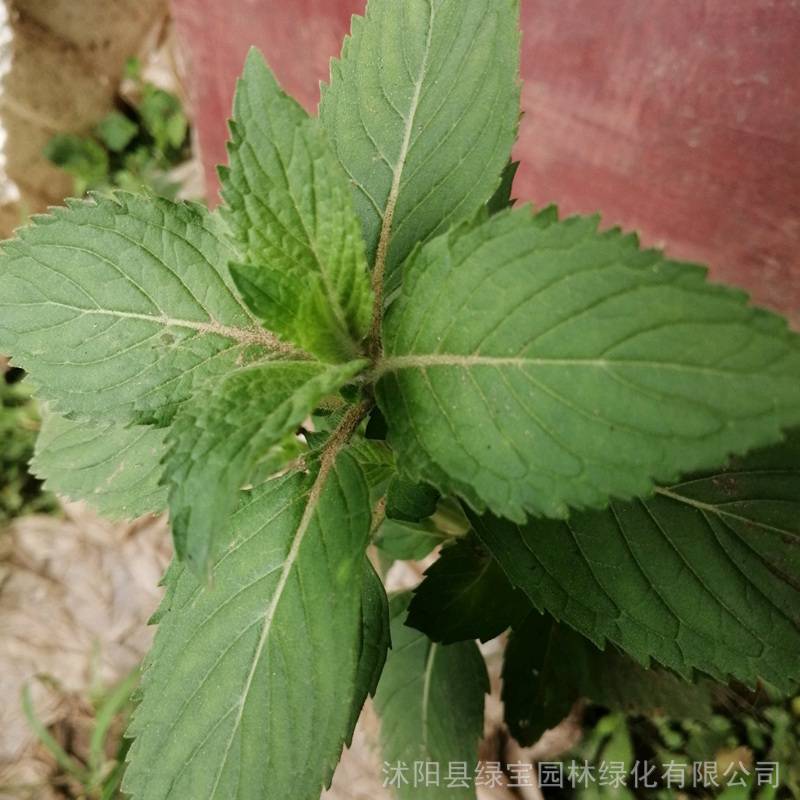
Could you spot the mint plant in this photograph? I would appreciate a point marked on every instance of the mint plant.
(367, 342)
(132, 149)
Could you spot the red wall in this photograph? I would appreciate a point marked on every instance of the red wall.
(678, 118)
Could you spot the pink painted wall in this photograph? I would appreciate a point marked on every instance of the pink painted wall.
(678, 118)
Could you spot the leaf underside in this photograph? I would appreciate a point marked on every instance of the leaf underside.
(117, 470)
(430, 703)
(705, 575)
(547, 667)
(410, 541)
(534, 365)
(408, 501)
(502, 199)
(251, 684)
(465, 595)
(375, 641)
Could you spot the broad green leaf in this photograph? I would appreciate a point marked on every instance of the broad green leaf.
(289, 206)
(415, 540)
(465, 595)
(547, 667)
(117, 470)
(250, 686)
(408, 541)
(409, 501)
(704, 575)
(118, 308)
(534, 365)
(375, 639)
(219, 436)
(422, 111)
(430, 703)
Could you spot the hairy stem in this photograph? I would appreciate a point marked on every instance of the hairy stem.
(379, 268)
(344, 430)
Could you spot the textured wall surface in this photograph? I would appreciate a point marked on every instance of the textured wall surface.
(66, 63)
(679, 118)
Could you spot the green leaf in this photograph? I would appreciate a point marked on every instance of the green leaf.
(289, 207)
(116, 131)
(276, 459)
(704, 575)
(81, 157)
(375, 639)
(133, 68)
(408, 541)
(117, 470)
(176, 129)
(547, 667)
(219, 436)
(250, 687)
(422, 110)
(409, 501)
(376, 425)
(415, 540)
(162, 117)
(20, 492)
(376, 461)
(430, 702)
(118, 308)
(534, 365)
(501, 199)
(465, 595)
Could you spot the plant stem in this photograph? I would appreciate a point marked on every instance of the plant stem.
(379, 268)
(65, 761)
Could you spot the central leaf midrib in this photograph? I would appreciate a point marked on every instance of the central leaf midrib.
(327, 462)
(397, 177)
(254, 335)
(432, 360)
(387, 221)
(269, 614)
(334, 300)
